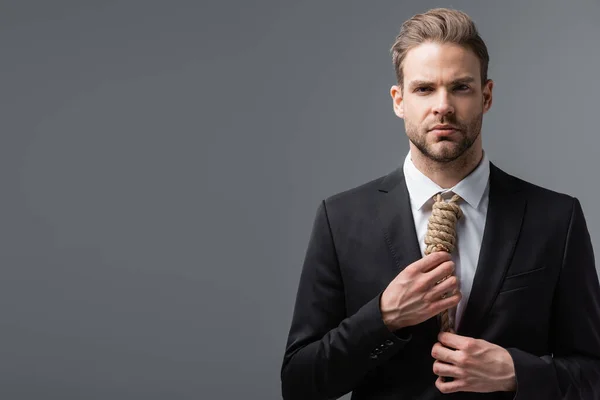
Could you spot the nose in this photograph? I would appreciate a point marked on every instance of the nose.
(443, 105)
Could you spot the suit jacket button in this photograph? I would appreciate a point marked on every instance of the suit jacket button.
(389, 342)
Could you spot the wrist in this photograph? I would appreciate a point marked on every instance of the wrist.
(511, 381)
(385, 313)
(510, 385)
(388, 313)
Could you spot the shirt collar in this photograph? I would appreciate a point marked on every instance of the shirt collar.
(422, 189)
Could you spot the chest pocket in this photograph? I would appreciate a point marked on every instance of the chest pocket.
(524, 280)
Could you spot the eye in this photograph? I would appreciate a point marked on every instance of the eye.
(423, 89)
(461, 88)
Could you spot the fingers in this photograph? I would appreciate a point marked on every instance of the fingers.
(440, 272)
(444, 369)
(446, 355)
(431, 261)
(448, 302)
(457, 385)
(446, 288)
(456, 341)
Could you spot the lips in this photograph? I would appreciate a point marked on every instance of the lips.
(444, 128)
(443, 131)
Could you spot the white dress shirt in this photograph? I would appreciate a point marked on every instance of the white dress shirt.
(474, 189)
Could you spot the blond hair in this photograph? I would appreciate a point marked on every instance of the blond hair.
(439, 25)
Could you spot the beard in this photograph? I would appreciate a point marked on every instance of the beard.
(467, 133)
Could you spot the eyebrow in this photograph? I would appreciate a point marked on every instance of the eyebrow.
(418, 82)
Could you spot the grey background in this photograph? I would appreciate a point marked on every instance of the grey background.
(162, 161)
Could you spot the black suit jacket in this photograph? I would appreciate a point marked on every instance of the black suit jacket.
(535, 293)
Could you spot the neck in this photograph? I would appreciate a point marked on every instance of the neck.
(447, 174)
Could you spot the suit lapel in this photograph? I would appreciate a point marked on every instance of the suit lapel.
(396, 219)
(505, 213)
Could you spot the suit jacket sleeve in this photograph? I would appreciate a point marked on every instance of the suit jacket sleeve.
(328, 352)
(572, 371)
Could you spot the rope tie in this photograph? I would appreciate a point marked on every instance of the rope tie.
(441, 236)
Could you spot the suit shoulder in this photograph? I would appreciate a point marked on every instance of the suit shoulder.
(357, 194)
(542, 195)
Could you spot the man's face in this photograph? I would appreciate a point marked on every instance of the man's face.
(442, 101)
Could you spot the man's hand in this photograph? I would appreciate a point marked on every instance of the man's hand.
(414, 295)
(475, 365)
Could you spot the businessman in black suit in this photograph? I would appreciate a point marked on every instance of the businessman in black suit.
(523, 290)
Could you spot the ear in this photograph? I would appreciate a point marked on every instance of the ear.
(397, 99)
(487, 95)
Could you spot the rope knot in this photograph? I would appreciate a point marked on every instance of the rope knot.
(441, 228)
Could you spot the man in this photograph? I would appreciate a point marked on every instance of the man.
(520, 288)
